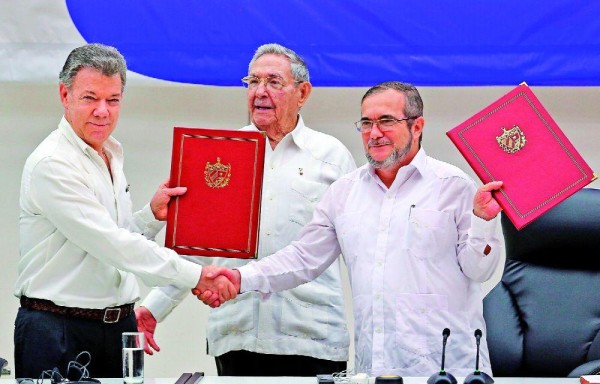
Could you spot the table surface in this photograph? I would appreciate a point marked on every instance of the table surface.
(312, 380)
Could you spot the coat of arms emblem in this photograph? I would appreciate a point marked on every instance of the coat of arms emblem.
(513, 140)
(217, 175)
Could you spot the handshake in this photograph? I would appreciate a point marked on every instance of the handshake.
(217, 285)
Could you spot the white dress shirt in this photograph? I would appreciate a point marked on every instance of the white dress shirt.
(415, 256)
(308, 320)
(76, 227)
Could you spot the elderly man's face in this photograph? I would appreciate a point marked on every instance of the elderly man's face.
(92, 105)
(270, 108)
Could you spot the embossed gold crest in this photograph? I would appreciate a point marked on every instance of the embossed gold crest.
(217, 175)
(513, 140)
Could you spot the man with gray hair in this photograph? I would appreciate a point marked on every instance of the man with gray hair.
(79, 252)
(302, 331)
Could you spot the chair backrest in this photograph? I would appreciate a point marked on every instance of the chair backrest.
(543, 318)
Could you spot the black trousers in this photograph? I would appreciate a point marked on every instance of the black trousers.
(245, 363)
(45, 340)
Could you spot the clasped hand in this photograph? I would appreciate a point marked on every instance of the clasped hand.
(217, 285)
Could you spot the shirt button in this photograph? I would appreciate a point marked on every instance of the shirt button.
(377, 296)
(378, 330)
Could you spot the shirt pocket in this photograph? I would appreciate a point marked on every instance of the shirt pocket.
(420, 320)
(235, 316)
(305, 196)
(429, 233)
(304, 319)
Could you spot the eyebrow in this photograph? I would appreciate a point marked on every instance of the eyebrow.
(380, 117)
(268, 75)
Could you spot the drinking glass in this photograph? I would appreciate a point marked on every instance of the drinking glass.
(133, 357)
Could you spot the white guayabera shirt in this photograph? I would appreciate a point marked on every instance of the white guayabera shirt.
(415, 255)
(307, 320)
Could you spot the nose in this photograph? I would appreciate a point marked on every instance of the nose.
(375, 130)
(261, 88)
(101, 109)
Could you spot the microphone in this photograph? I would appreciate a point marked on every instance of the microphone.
(478, 377)
(442, 377)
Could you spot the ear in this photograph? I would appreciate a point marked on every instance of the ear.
(417, 128)
(63, 91)
(304, 88)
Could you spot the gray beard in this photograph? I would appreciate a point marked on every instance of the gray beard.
(393, 159)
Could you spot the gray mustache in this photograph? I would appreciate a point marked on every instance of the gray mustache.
(373, 142)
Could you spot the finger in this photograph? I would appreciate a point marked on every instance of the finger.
(147, 349)
(232, 291)
(177, 191)
(152, 343)
(491, 186)
(205, 296)
(216, 304)
(195, 291)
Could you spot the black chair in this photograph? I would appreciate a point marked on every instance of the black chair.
(543, 318)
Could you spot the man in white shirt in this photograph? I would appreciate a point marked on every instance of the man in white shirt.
(418, 240)
(80, 244)
(302, 331)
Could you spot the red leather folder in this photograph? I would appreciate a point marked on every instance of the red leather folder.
(515, 140)
(223, 172)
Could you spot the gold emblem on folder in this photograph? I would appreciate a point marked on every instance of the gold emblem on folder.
(513, 140)
(217, 175)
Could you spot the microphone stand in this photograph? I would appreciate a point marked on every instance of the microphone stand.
(443, 377)
(478, 377)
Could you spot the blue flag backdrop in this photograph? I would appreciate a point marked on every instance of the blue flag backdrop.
(354, 42)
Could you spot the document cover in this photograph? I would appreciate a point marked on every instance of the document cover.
(220, 212)
(515, 140)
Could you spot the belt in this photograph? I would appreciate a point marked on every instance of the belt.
(106, 315)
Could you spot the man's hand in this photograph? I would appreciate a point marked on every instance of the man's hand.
(484, 204)
(220, 284)
(146, 323)
(217, 285)
(160, 200)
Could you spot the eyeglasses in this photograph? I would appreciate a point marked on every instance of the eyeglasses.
(385, 124)
(275, 83)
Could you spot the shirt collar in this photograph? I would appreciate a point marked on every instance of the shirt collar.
(419, 162)
(111, 145)
(298, 134)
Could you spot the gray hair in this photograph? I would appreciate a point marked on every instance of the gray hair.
(413, 104)
(101, 57)
(298, 66)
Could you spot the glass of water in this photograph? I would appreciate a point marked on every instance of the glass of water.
(133, 357)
